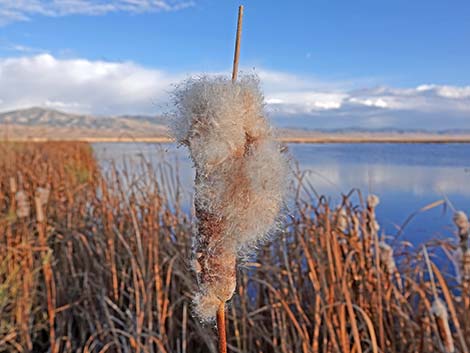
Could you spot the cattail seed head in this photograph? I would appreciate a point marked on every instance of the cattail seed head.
(466, 264)
(22, 204)
(439, 311)
(462, 256)
(39, 211)
(461, 220)
(240, 178)
(43, 195)
(342, 220)
(461, 262)
(372, 201)
(13, 187)
(375, 226)
(386, 257)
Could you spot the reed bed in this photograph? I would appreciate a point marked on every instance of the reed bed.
(97, 261)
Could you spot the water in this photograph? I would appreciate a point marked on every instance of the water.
(406, 177)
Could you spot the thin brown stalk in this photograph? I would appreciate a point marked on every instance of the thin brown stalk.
(236, 55)
(221, 328)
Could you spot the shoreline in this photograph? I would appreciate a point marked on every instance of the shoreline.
(321, 139)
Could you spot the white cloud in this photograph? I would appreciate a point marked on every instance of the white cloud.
(371, 102)
(331, 177)
(80, 85)
(22, 10)
(286, 102)
(446, 91)
(293, 94)
(101, 87)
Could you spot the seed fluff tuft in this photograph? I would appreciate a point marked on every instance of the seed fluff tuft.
(240, 179)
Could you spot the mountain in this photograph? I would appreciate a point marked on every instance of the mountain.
(41, 123)
(48, 124)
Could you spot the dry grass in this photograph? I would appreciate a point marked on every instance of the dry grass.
(102, 266)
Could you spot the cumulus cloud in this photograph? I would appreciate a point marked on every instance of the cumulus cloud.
(80, 85)
(310, 103)
(107, 88)
(16, 10)
(425, 98)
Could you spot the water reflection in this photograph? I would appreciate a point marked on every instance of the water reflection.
(417, 180)
(405, 176)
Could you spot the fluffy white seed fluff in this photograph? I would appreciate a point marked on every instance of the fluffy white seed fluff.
(372, 201)
(461, 221)
(439, 309)
(375, 226)
(342, 220)
(240, 177)
(386, 257)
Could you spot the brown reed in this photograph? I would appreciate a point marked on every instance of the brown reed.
(116, 243)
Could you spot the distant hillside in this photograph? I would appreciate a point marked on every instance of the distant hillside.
(53, 124)
(48, 124)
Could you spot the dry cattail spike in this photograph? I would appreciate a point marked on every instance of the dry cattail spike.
(22, 204)
(462, 254)
(13, 187)
(386, 257)
(39, 211)
(240, 178)
(43, 195)
(439, 311)
(372, 202)
(461, 221)
(342, 220)
(461, 263)
(466, 264)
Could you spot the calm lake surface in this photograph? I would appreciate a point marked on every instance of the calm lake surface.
(406, 177)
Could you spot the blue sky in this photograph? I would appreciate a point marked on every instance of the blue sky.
(322, 63)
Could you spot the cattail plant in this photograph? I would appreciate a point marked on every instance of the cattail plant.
(240, 178)
(13, 186)
(342, 220)
(43, 195)
(386, 257)
(372, 202)
(439, 310)
(22, 204)
(441, 316)
(462, 255)
(356, 225)
(461, 222)
(239, 183)
(461, 262)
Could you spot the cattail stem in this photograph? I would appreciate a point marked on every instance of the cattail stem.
(221, 328)
(237, 44)
(221, 309)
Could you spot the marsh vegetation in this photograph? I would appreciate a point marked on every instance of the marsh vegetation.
(97, 261)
